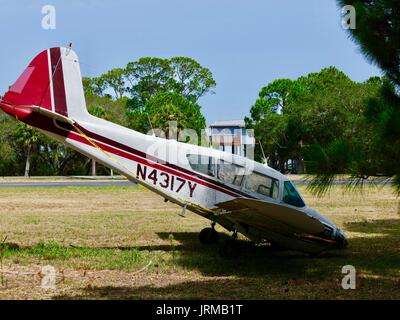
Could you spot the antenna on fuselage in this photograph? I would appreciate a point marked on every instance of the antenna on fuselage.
(263, 153)
(69, 47)
(151, 126)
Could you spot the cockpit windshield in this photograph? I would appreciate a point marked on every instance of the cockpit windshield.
(291, 195)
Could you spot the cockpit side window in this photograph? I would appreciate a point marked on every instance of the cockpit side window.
(291, 195)
(202, 164)
(262, 184)
(230, 172)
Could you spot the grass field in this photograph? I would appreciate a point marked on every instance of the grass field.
(126, 243)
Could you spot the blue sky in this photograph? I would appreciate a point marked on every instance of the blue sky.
(245, 44)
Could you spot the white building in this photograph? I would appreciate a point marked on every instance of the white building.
(232, 136)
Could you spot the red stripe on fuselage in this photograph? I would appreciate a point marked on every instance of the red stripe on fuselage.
(42, 122)
(147, 162)
(154, 159)
(148, 157)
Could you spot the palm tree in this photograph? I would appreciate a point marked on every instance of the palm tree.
(28, 136)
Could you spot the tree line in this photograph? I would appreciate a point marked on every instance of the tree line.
(322, 123)
(331, 125)
(326, 124)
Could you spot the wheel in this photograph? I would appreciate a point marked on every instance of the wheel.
(208, 235)
(230, 249)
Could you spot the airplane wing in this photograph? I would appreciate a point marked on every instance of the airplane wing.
(265, 214)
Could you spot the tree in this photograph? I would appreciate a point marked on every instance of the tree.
(338, 138)
(107, 108)
(166, 89)
(291, 113)
(54, 158)
(377, 33)
(8, 153)
(113, 79)
(94, 86)
(383, 115)
(173, 85)
(147, 77)
(166, 107)
(29, 137)
(191, 80)
(269, 121)
(312, 117)
(377, 152)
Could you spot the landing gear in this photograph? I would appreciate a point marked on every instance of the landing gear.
(209, 235)
(230, 249)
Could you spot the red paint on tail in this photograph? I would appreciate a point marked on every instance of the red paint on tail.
(33, 86)
(41, 84)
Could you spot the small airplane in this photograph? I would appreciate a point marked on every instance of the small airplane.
(239, 194)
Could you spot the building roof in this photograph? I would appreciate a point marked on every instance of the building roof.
(228, 123)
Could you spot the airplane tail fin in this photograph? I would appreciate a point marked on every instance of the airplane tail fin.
(52, 81)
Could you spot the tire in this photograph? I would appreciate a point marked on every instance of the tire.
(208, 235)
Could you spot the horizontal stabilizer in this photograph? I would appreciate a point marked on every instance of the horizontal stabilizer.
(48, 113)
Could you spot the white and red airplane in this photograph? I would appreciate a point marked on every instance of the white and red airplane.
(239, 194)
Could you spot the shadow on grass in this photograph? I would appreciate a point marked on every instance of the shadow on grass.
(264, 274)
(261, 272)
(227, 289)
(242, 289)
(375, 249)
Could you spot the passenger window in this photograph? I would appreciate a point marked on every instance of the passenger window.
(202, 164)
(291, 195)
(262, 184)
(230, 172)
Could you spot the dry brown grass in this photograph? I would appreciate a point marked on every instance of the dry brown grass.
(105, 238)
(83, 216)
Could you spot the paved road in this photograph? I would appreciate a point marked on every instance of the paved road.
(94, 183)
(57, 184)
(345, 182)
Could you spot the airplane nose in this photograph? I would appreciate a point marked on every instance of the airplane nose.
(341, 240)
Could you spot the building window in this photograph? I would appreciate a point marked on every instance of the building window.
(202, 164)
(263, 185)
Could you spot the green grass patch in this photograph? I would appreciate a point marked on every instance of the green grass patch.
(126, 259)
